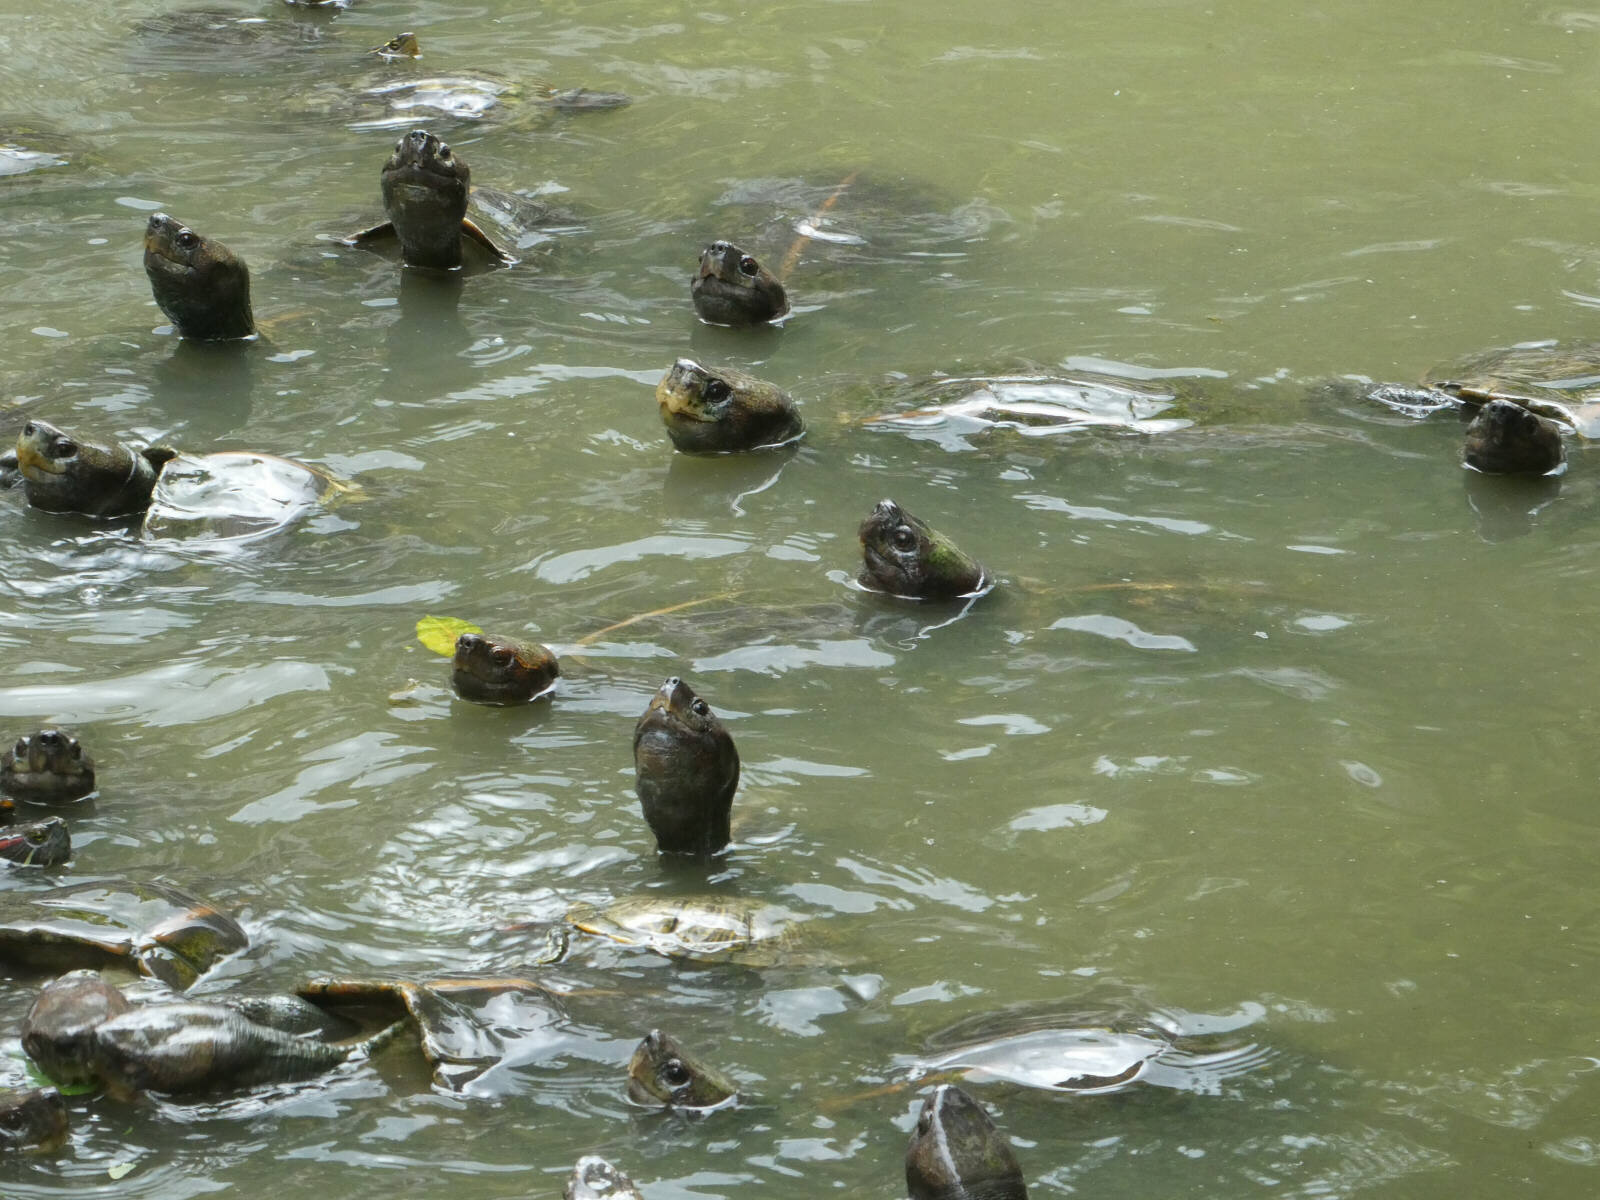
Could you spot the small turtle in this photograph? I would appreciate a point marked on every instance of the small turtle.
(705, 929)
(37, 844)
(720, 410)
(596, 1179)
(904, 556)
(46, 767)
(34, 1119)
(55, 1033)
(686, 771)
(1507, 439)
(155, 928)
(662, 1073)
(425, 186)
(496, 670)
(401, 45)
(201, 285)
(189, 1047)
(1554, 381)
(956, 1153)
(732, 288)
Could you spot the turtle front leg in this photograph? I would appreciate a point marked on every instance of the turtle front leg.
(366, 237)
(471, 231)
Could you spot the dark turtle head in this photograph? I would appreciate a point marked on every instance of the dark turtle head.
(48, 766)
(37, 844)
(202, 286)
(904, 556)
(58, 1032)
(494, 670)
(662, 1072)
(425, 187)
(596, 1179)
(36, 1117)
(956, 1153)
(707, 409)
(401, 45)
(686, 771)
(1506, 439)
(732, 288)
(64, 473)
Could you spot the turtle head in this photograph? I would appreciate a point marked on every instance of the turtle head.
(402, 45)
(955, 1150)
(201, 285)
(494, 670)
(904, 556)
(1506, 439)
(732, 288)
(58, 1032)
(38, 844)
(662, 1072)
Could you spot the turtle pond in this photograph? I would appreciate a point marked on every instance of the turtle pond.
(1240, 842)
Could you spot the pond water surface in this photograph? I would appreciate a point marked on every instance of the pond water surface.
(1276, 720)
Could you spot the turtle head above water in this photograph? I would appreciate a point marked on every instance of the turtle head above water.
(956, 1153)
(904, 556)
(201, 285)
(65, 473)
(732, 288)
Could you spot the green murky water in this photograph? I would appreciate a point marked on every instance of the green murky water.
(1273, 718)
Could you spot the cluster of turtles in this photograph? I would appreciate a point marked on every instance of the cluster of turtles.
(81, 1029)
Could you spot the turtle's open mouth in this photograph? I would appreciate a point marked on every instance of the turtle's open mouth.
(34, 464)
(681, 402)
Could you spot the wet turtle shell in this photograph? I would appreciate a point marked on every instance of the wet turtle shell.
(234, 496)
(36, 844)
(1558, 382)
(698, 928)
(596, 1179)
(153, 927)
(25, 149)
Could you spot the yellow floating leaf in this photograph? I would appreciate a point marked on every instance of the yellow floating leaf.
(118, 1170)
(439, 634)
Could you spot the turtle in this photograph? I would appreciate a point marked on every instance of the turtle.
(686, 770)
(701, 929)
(957, 1153)
(425, 186)
(732, 288)
(25, 148)
(226, 495)
(1554, 381)
(662, 1073)
(49, 766)
(151, 926)
(904, 556)
(596, 1179)
(496, 670)
(36, 1119)
(718, 410)
(55, 1031)
(1505, 438)
(201, 285)
(43, 843)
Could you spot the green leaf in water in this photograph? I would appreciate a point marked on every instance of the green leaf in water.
(118, 1170)
(39, 1079)
(439, 634)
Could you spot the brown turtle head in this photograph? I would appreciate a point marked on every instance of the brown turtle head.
(36, 1117)
(47, 766)
(956, 1151)
(37, 844)
(732, 288)
(662, 1072)
(494, 670)
(201, 285)
(711, 409)
(402, 45)
(1506, 439)
(904, 556)
(686, 771)
(58, 1032)
(425, 186)
(64, 473)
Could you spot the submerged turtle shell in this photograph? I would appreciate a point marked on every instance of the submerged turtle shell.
(155, 928)
(1554, 381)
(233, 496)
(698, 928)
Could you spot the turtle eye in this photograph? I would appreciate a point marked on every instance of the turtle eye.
(904, 539)
(674, 1074)
(749, 266)
(187, 239)
(716, 390)
(502, 657)
(63, 447)
(27, 430)
(444, 151)
(701, 708)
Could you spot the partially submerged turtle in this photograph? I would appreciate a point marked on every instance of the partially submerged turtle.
(1561, 383)
(36, 844)
(227, 495)
(704, 929)
(47, 767)
(709, 410)
(425, 186)
(24, 149)
(154, 928)
(201, 285)
(34, 1119)
(662, 1073)
(1508, 439)
(956, 1153)
(55, 1033)
(596, 1179)
(496, 670)
(732, 288)
(905, 556)
(686, 770)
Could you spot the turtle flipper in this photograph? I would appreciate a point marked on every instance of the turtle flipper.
(10, 471)
(367, 236)
(472, 233)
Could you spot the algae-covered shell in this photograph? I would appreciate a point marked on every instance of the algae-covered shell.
(698, 928)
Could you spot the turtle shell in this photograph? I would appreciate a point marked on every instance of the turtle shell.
(698, 928)
(1554, 381)
(155, 928)
(232, 496)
